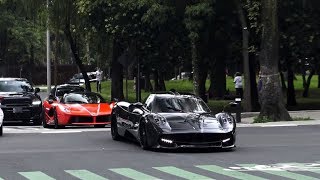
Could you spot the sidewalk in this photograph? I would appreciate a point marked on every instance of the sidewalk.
(247, 119)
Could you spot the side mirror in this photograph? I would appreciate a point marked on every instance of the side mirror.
(36, 90)
(50, 101)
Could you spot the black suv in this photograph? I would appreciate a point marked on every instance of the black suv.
(20, 101)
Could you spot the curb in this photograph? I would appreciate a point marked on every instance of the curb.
(280, 124)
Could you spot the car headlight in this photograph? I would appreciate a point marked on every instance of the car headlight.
(226, 121)
(36, 102)
(159, 119)
(162, 122)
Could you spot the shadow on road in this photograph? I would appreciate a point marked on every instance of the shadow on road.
(180, 150)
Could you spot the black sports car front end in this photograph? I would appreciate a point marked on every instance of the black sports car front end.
(20, 101)
(182, 130)
(173, 121)
(27, 108)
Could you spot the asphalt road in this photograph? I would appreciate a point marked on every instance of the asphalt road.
(88, 153)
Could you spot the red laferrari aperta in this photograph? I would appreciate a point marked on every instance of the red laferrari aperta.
(77, 108)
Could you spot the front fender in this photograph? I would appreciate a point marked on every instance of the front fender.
(152, 130)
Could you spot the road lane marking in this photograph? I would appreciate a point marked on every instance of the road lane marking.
(36, 175)
(37, 130)
(234, 174)
(311, 167)
(279, 125)
(181, 173)
(85, 175)
(280, 172)
(60, 132)
(132, 174)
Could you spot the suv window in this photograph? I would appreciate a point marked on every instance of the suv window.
(15, 86)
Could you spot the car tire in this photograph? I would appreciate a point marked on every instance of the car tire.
(56, 121)
(114, 129)
(143, 137)
(45, 124)
(1, 130)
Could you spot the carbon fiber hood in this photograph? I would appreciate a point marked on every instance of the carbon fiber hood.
(192, 122)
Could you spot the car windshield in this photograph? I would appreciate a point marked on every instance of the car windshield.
(62, 91)
(180, 104)
(83, 98)
(78, 76)
(18, 86)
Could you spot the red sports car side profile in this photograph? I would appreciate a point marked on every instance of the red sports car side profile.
(77, 108)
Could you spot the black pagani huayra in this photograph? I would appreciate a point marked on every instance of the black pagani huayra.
(173, 120)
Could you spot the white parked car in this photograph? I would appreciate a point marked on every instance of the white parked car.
(1, 121)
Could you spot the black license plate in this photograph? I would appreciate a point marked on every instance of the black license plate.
(17, 110)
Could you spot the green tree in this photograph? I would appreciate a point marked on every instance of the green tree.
(272, 105)
(198, 17)
(64, 16)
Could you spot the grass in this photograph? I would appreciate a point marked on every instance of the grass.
(264, 119)
(302, 118)
(312, 102)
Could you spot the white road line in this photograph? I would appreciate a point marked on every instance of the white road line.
(36, 130)
(278, 125)
(266, 125)
(60, 132)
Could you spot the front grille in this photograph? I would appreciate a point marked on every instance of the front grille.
(9, 115)
(81, 119)
(195, 138)
(101, 119)
(21, 101)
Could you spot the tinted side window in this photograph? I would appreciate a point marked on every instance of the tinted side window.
(149, 101)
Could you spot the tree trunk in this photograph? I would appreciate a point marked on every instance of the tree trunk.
(76, 56)
(202, 83)
(217, 87)
(272, 105)
(156, 80)
(283, 82)
(195, 68)
(116, 74)
(307, 84)
(148, 85)
(3, 43)
(31, 63)
(291, 95)
(248, 106)
(162, 85)
(254, 91)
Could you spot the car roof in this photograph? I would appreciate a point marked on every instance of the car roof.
(68, 86)
(80, 92)
(173, 95)
(13, 79)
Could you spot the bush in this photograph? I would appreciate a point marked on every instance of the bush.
(263, 119)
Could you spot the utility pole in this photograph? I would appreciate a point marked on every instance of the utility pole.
(48, 53)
